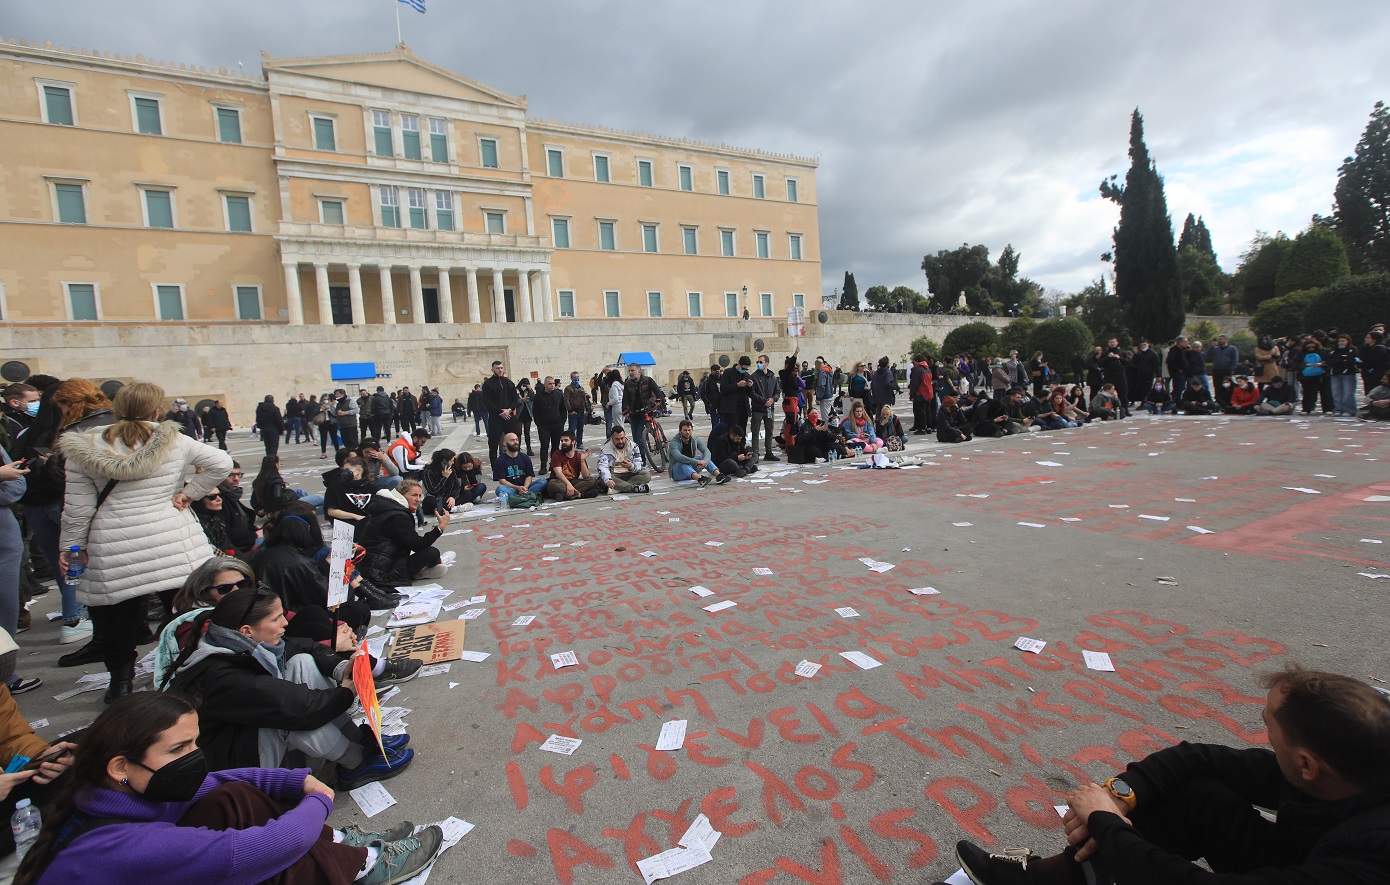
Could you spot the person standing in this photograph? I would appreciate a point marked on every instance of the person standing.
(478, 409)
(185, 418)
(383, 409)
(709, 391)
(346, 414)
(883, 389)
(640, 394)
(919, 387)
(685, 392)
(294, 420)
(823, 387)
(577, 409)
(1114, 365)
(548, 411)
(1147, 367)
(501, 402)
(1375, 359)
(271, 424)
(1343, 363)
(436, 412)
(523, 414)
(766, 389)
(735, 395)
(217, 422)
(1223, 356)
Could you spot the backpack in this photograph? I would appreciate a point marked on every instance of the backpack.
(523, 501)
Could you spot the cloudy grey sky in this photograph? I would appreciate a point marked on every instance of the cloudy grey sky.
(936, 123)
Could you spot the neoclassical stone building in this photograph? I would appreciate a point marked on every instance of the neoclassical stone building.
(369, 189)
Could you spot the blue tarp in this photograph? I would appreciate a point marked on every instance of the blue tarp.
(636, 358)
(352, 371)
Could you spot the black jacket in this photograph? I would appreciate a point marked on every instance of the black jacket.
(217, 419)
(735, 401)
(188, 420)
(297, 579)
(392, 537)
(548, 407)
(500, 394)
(1176, 361)
(1146, 363)
(1196, 363)
(269, 419)
(293, 408)
(239, 697)
(639, 394)
(685, 385)
(1316, 843)
(476, 406)
(722, 449)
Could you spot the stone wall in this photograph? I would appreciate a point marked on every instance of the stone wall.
(240, 363)
(1229, 325)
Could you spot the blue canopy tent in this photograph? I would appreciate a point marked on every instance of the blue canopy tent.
(636, 358)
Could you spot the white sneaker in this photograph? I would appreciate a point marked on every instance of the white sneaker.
(81, 633)
(431, 573)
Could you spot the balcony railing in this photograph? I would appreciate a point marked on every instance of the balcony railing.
(310, 230)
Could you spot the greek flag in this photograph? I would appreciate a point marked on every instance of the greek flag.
(417, 5)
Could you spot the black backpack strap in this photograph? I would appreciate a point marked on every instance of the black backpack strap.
(104, 494)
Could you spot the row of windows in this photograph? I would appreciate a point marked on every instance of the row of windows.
(424, 210)
(84, 301)
(157, 205)
(685, 175)
(656, 307)
(690, 239)
(58, 102)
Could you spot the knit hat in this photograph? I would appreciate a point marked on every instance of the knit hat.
(948, 401)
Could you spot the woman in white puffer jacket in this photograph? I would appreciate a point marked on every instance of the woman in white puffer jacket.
(142, 538)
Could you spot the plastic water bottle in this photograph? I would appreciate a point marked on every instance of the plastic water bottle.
(25, 823)
(75, 566)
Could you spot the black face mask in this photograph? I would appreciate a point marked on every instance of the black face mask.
(178, 781)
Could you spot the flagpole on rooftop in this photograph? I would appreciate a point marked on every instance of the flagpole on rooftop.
(398, 22)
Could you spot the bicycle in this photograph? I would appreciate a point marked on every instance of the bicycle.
(656, 440)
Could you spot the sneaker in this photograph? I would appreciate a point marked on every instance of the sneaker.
(404, 859)
(983, 868)
(395, 742)
(356, 837)
(377, 598)
(375, 769)
(702, 481)
(398, 671)
(434, 571)
(722, 478)
(771, 457)
(21, 685)
(643, 489)
(87, 654)
(79, 632)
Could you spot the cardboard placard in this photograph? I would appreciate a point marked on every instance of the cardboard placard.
(434, 643)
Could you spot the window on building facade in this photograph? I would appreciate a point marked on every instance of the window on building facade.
(410, 137)
(644, 173)
(687, 177)
(791, 190)
(798, 299)
(690, 242)
(415, 204)
(653, 304)
(381, 133)
(794, 246)
(248, 302)
(390, 207)
(555, 163)
(331, 212)
(229, 125)
(71, 202)
(611, 304)
(147, 117)
(726, 243)
(600, 168)
(169, 301)
(692, 304)
(325, 139)
(443, 210)
(487, 150)
(759, 186)
(159, 208)
(566, 302)
(606, 239)
(722, 176)
(496, 222)
(83, 301)
(649, 238)
(767, 304)
(238, 213)
(57, 105)
(560, 233)
(439, 140)
(730, 304)
(761, 237)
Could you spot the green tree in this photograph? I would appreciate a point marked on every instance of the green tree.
(1196, 235)
(1259, 268)
(1204, 331)
(978, 339)
(1146, 265)
(1016, 334)
(952, 271)
(924, 345)
(1317, 258)
(1282, 315)
(1059, 339)
(1352, 305)
(849, 295)
(1101, 311)
(907, 299)
(1244, 344)
(876, 297)
(1362, 213)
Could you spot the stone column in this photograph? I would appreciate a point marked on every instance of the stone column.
(325, 303)
(474, 315)
(294, 304)
(523, 294)
(417, 296)
(446, 297)
(359, 314)
(499, 309)
(388, 298)
(543, 284)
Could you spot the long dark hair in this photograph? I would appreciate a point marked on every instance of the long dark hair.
(297, 525)
(237, 609)
(270, 470)
(129, 727)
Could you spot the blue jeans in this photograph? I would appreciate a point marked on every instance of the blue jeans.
(1153, 409)
(479, 423)
(577, 428)
(295, 426)
(535, 487)
(1344, 394)
(1054, 423)
(315, 501)
(473, 495)
(44, 521)
(683, 472)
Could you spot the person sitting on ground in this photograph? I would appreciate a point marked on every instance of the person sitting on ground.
(1062, 404)
(469, 472)
(1377, 406)
(1077, 406)
(811, 441)
(858, 431)
(269, 493)
(690, 458)
(1279, 398)
(620, 464)
(890, 430)
(1105, 405)
(32, 764)
(1245, 396)
(513, 471)
(293, 562)
(952, 424)
(1158, 400)
(1049, 416)
(405, 450)
(728, 453)
(142, 805)
(382, 472)
(569, 473)
(1196, 400)
(347, 495)
(215, 523)
(1326, 776)
(204, 588)
(992, 418)
(396, 553)
(1023, 411)
(443, 487)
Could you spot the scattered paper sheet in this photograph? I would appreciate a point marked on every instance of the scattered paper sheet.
(647, 553)
(1070, 518)
(474, 655)
(860, 660)
(762, 571)
(473, 613)
(846, 612)
(700, 832)
(1098, 660)
(959, 878)
(1155, 518)
(881, 567)
(923, 591)
(564, 659)
(1303, 490)
(1325, 475)
(408, 613)
(455, 606)
(807, 669)
(1199, 530)
(672, 861)
(1371, 541)
(714, 543)
(565, 746)
(373, 799)
(720, 606)
(454, 829)
(1372, 575)
(523, 620)
(1049, 463)
(962, 524)
(433, 670)
(550, 559)
(701, 591)
(549, 546)
(1118, 506)
(376, 646)
(1186, 500)
(1033, 525)
(672, 735)
(1034, 645)
(38, 723)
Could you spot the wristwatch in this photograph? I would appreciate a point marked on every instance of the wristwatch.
(1122, 791)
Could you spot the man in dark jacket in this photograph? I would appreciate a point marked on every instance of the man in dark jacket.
(730, 455)
(577, 409)
(548, 411)
(686, 393)
(766, 389)
(1114, 367)
(478, 409)
(219, 422)
(1147, 366)
(270, 423)
(383, 409)
(1176, 363)
(640, 393)
(735, 394)
(294, 420)
(186, 418)
(709, 391)
(1327, 775)
(1375, 359)
(501, 403)
(1223, 356)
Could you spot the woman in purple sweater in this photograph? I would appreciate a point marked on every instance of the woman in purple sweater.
(141, 807)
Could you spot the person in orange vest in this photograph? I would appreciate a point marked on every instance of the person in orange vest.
(404, 452)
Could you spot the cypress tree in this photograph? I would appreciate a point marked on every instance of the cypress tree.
(1146, 264)
(1363, 197)
(849, 295)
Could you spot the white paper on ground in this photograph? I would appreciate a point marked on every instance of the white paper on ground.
(720, 606)
(1155, 518)
(923, 591)
(962, 524)
(1372, 575)
(38, 723)
(762, 571)
(373, 799)
(1118, 506)
(550, 559)
(409, 613)
(453, 684)
(1034, 645)
(549, 546)
(1371, 541)
(846, 612)
(959, 878)
(1048, 463)
(860, 660)
(1186, 500)
(881, 567)
(433, 670)
(564, 659)
(1033, 525)
(672, 735)
(1070, 518)
(672, 861)
(1303, 490)
(701, 591)
(1098, 660)
(1199, 530)
(472, 613)
(523, 620)
(1325, 475)
(807, 669)
(376, 646)
(455, 606)
(714, 543)
(702, 832)
(565, 746)
(467, 655)
(647, 553)
(454, 829)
